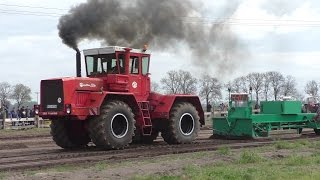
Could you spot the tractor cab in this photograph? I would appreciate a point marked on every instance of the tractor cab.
(122, 69)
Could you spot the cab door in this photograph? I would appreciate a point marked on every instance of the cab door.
(145, 79)
(135, 75)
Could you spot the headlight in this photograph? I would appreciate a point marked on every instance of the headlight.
(36, 109)
(68, 108)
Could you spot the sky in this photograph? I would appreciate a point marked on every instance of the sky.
(277, 35)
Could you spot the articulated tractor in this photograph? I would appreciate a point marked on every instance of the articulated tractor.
(113, 105)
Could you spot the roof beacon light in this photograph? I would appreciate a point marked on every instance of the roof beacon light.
(145, 48)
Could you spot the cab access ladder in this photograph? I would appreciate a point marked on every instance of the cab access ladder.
(147, 124)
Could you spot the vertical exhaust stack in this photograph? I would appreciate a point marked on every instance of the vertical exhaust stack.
(78, 63)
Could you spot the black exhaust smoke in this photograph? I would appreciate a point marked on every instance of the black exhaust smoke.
(161, 24)
(78, 62)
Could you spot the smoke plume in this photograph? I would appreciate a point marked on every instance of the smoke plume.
(160, 23)
(281, 7)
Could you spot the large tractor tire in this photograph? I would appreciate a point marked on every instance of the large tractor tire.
(69, 134)
(114, 127)
(183, 125)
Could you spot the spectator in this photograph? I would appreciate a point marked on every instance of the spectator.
(27, 110)
(257, 106)
(209, 107)
(17, 113)
(32, 112)
(12, 113)
(22, 112)
(222, 107)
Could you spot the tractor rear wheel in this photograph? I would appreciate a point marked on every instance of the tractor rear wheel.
(69, 134)
(183, 125)
(114, 127)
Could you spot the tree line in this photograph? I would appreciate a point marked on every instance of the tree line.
(265, 86)
(19, 93)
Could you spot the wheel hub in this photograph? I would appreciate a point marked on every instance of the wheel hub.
(119, 125)
(186, 124)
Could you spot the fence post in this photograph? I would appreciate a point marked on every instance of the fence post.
(37, 120)
(4, 118)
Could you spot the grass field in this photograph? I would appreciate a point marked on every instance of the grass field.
(283, 160)
(26, 132)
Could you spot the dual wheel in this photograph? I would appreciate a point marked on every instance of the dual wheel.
(115, 128)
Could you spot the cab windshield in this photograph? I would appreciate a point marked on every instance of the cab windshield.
(105, 64)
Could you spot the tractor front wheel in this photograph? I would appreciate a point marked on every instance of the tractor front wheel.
(114, 127)
(183, 125)
(69, 134)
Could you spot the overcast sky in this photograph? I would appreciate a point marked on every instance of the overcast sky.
(277, 35)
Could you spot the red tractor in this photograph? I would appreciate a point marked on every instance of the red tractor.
(113, 106)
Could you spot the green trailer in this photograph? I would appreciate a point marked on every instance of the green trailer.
(242, 121)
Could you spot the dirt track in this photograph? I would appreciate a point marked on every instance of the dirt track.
(38, 152)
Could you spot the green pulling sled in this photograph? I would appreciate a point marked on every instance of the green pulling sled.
(241, 122)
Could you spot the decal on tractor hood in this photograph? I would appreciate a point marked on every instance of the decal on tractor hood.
(87, 85)
(59, 100)
(134, 84)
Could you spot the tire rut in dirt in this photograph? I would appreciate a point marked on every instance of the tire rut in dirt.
(76, 157)
(115, 126)
(183, 124)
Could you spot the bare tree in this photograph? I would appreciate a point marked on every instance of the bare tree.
(299, 96)
(188, 83)
(239, 84)
(179, 82)
(312, 88)
(155, 87)
(256, 82)
(171, 82)
(21, 94)
(210, 88)
(266, 85)
(276, 81)
(289, 86)
(5, 91)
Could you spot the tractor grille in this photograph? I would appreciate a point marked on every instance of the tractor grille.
(52, 99)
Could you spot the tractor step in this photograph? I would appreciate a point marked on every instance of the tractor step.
(147, 124)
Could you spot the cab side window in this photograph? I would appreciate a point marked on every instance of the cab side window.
(134, 65)
(121, 63)
(145, 65)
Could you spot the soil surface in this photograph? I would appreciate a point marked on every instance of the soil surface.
(133, 162)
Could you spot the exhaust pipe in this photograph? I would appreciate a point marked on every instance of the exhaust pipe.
(78, 63)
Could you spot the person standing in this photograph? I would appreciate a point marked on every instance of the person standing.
(12, 113)
(27, 112)
(209, 107)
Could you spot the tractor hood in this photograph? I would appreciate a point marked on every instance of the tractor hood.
(80, 83)
(59, 91)
(84, 84)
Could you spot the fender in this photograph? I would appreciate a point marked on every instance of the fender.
(98, 98)
(161, 105)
